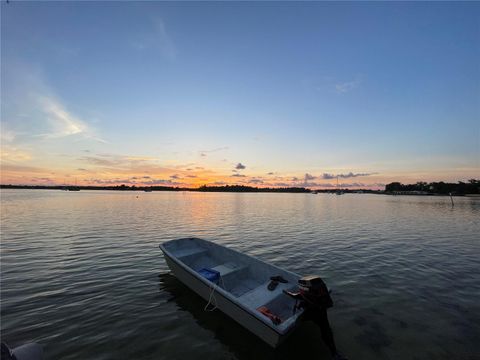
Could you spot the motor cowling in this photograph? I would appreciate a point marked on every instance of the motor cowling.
(315, 292)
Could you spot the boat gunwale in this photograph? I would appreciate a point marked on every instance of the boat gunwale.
(229, 296)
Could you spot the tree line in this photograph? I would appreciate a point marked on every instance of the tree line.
(460, 188)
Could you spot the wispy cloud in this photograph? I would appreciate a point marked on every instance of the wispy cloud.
(165, 42)
(133, 181)
(125, 163)
(34, 110)
(7, 135)
(205, 152)
(11, 152)
(157, 37)
(24, 169)
(344, 87)
(327, 176)
(240, 166)
(62, 122)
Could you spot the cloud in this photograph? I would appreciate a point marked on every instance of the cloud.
(282, 184)
(255, 181)
(112, 181)
(13, 154)
(124, 162)
(216, 149)
(327, 176)
(42, 180)
(63, 123)
(240, 166)
(237, 175)
(342, 88)
(174, 176)
(165, 43)
(23, 169)
(100, 161)
(191, 176)
(309, 177)
(205, 152)
(157, 37)
(270, 173)
(35, 111)
(133, 181)
(162, 182)
(7, 135)
(347, 185)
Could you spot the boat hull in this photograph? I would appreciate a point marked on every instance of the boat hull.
(247, 320)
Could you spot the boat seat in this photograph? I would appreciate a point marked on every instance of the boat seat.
(228, 268)
(261, 295)
(182, 253)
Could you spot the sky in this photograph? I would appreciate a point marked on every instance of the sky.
(254, 93)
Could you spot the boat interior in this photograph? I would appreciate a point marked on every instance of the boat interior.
(245, 278)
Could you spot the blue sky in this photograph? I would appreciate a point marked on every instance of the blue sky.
(111, 91)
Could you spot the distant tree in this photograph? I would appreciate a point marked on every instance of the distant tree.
(461, 188)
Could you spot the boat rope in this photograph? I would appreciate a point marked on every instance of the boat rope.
(212, 295)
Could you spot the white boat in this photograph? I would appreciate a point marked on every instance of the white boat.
(31, 351)
(238, 286)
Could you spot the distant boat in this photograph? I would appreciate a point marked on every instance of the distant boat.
(237, 284)
(338, 191)
(148, 190)
(72, 188)
(315, 192)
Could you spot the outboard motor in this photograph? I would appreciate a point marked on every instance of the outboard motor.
(312, 291)
(313, 288)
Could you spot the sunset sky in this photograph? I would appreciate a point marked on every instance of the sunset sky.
(261, 94)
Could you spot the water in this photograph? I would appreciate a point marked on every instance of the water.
(81, 272)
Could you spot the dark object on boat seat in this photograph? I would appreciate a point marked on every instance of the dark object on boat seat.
(272, 285)
(279, 278)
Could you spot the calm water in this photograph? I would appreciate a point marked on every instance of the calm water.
(81, 273)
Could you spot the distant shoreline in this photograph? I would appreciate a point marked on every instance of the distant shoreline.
(236, 189)
(226, 188)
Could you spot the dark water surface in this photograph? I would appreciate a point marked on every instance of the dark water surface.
(81, 272)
